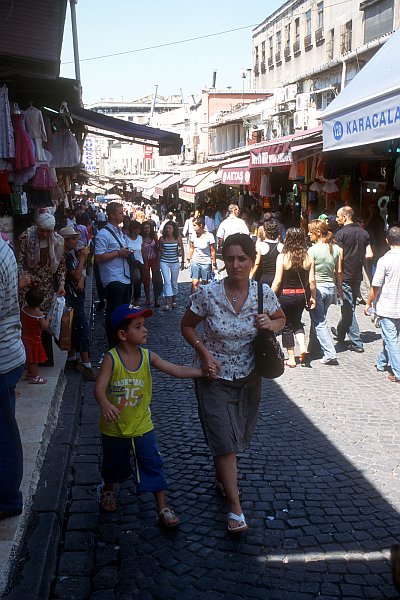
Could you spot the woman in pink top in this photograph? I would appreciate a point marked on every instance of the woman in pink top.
(151, 257)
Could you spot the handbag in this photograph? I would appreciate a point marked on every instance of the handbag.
(135, 266)
(269, 356)
(158, 283)
(64, 340)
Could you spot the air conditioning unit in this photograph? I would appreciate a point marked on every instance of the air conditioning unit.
(302, 101)
(279, 94)
(299, 119)
(290, 92)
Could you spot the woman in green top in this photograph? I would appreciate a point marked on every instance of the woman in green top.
(327, 260)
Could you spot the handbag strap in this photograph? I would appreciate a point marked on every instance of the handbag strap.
(304, 291)
(114, 236)
(260, 298)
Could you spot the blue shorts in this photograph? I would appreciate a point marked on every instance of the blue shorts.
(202, 272)
(116, 466)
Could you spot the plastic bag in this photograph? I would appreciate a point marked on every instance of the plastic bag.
(64, 340)
(55, 315)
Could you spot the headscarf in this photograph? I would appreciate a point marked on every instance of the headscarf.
(55, 242)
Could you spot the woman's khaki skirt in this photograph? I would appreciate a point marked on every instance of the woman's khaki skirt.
(228, 412)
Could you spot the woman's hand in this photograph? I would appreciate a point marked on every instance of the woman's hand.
(312, 303)
(61, 290)
(264, 322)
(210, 366)
(110, 412)
(24, 280)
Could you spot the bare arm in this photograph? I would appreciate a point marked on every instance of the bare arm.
(188, 329)
(110, 412)
(372, 297)
(180, 371)
(278, 274)
(274, 322)
(213, 256)
(107, 256)
(257, 262)
(368, 252)
(339, 273)
(312, 283)
(190, 252)
(180, 242)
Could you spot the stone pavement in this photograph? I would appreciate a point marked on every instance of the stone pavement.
(319, 485)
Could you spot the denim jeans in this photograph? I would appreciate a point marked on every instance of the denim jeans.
(117, 293)
(390, 354)
(319, 330)
(170, 273)
(10, 443)
(348, 322)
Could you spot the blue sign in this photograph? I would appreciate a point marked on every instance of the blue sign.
(337, 131)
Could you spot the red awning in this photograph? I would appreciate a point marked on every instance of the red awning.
(271, 155)
(237, 173)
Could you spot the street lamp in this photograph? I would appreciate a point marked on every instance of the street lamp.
(243, 75)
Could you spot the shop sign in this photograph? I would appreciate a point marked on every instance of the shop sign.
(360, 125)
(269, 156)
(189, 189)
(235, 176)
(89, 155)
(148, 152)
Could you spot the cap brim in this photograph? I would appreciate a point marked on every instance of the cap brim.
(146, 312)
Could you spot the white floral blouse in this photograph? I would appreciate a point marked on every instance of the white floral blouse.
(228, 336)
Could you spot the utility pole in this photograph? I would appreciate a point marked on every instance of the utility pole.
(72, 4)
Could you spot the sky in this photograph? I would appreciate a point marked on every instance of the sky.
(107, 27)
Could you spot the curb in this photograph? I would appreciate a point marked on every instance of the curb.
(34, 566)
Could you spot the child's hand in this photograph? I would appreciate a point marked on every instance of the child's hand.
(110, 412)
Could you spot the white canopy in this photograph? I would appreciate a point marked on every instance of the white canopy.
(368, 109)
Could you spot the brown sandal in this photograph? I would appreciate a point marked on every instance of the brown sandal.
(107, 501)
(167, 518)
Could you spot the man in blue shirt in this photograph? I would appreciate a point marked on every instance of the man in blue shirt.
(111, 255)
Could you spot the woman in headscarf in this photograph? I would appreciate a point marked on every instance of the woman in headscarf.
(41, 256)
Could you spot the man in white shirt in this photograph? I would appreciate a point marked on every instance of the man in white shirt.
(385, 292)
(232, 224)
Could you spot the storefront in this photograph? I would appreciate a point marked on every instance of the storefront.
(363, 124)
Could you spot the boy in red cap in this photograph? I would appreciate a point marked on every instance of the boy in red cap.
(123, 392)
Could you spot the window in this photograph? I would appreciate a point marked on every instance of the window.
(263, 52)
(320, 16)
(378, 18)
(130, 119)
(279, 41)
(271, 47)
(287, 36)
(345, 37)
(297, 30)
(331, 44)
(308, 22)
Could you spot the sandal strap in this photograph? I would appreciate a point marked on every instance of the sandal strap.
(167, 513)
(238, 518)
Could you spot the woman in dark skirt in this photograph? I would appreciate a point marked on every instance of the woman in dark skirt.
(228, 402)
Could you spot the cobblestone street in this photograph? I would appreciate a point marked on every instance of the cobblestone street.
(320, 489)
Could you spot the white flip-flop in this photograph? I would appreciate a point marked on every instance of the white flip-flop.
(238, 519)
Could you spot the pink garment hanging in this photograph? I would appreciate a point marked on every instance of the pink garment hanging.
(43, 179)
(24, 156)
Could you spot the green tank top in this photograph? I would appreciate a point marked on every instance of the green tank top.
(131, 392)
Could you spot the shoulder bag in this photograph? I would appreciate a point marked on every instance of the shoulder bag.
(134, 265)
(268, 352)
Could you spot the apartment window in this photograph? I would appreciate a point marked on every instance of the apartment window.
(378, 18)
(130, 119)
(263, 57)
(320, 16)
(330, 46)
(271, 47)
(308, 22)
(345, 37)
(297, 30)
(278, 45)
(287, 36)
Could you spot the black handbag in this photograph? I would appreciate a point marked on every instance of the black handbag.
(268, 352)
(135, 266)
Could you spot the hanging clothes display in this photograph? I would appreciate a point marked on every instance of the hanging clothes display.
(24, 156)
(65, 149)
(43, 179)
(7, 145)
(4, 186)
(36, 129)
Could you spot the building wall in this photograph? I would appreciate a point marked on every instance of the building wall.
(317, 36)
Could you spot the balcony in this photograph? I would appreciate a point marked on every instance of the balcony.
(307, 42)
(278, 58)
(286, 53)
(263, 66)
(270, 62)
(319, 36)
(296, 48)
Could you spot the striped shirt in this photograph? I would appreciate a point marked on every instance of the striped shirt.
(387, 277)
(12, 352)
(169, 252)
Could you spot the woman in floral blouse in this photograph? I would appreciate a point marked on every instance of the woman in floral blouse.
(229, 398)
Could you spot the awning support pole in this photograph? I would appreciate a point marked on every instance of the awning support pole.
(75, 40)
